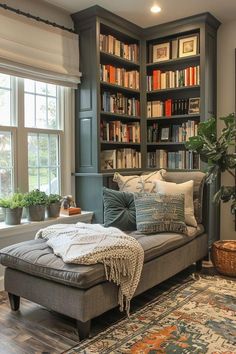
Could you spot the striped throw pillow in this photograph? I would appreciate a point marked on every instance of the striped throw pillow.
(157, 212)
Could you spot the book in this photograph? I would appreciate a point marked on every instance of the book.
(174, 49)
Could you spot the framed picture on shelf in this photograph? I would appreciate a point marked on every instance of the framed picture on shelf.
(165, 134)
(161, 52)
(108, 159)
(194, 105)
(188, 46)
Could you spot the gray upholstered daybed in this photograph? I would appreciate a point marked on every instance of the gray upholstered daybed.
(82, 292)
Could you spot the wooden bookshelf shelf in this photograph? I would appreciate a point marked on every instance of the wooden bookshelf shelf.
(175, 117)
(126, 171)
(167, 143)
(176, 61)
(119, 143)
(109, 115)
(119, 60)
(173, 170)
(183, 88)
(119, 88)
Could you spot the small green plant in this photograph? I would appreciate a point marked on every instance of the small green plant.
(35, 197)
(14, 201)
(54, 198)
(218, 153)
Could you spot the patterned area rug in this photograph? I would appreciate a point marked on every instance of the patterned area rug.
(198, 316)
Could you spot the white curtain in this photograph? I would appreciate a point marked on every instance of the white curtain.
(34, 50)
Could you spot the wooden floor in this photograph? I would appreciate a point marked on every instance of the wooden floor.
(34, 329)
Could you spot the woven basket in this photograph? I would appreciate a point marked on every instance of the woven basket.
(223, 255)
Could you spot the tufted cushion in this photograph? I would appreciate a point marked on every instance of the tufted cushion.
(157, 212)
(144, 183)
(119, 209)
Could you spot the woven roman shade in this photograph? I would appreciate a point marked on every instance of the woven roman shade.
(37, 51)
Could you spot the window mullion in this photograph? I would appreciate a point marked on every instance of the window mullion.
(21, 141)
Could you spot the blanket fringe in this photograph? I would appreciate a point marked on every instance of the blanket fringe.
(115, 269)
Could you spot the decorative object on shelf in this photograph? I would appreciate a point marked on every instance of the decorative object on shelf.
(165, 134)
(194, 105)
(54, 205)
(223, 255)
(68, 206)
(216, 152)
(35, 203)
(161, 52)
(188, 46)
(12, 208)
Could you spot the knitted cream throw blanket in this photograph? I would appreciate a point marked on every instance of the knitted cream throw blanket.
(82, 243)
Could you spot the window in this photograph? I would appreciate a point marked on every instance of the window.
(6, 164)
(32, 134)
(43, 162)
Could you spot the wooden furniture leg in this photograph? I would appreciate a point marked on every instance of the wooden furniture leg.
(14, 301)
(83, 329)
(199, 265)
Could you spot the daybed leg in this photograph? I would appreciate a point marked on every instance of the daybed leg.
(199, 265)
(83, 329)
(14, 301)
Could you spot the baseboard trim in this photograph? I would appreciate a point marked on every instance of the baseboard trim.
(2, 283)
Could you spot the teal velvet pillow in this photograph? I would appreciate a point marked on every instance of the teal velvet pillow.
(119, 209)
(157, 212)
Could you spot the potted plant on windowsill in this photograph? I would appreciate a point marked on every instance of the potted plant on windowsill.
(12, 207)
(53, 205)
(219, 154)
(35, 203)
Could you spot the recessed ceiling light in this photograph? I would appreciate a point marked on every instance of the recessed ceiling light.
(155, 9)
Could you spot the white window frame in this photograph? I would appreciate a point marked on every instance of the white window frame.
(20, 141)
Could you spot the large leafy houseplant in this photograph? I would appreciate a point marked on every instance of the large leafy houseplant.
(218, 152)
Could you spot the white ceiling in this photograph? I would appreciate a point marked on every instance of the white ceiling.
(137, 11)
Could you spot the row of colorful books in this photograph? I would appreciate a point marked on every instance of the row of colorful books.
(173, 159)
(170, 107)
(118, 103)
(120, 158)
(113, 46)
(160, 80)
(119, 132)
(119, 76)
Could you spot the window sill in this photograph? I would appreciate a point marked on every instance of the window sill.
(33, 227)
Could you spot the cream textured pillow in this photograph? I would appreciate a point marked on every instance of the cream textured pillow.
(143, 183)
(181, 188)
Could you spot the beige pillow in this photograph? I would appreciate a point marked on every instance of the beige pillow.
(181, 188)
(143, 183)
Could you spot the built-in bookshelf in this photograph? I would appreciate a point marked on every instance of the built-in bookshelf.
(120, 133)
(143, 93)
(173, 91)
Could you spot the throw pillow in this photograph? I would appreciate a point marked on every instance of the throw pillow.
(144, 183)
(157, 212)
(119, 209)
(185, 188)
